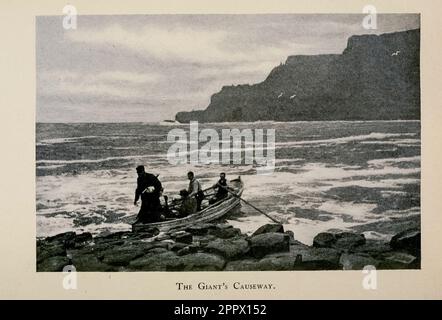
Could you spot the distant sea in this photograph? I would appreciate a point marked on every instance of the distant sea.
(335, 175)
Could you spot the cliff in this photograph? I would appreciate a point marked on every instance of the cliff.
(377, 77)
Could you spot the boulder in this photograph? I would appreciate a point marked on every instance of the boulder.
(278, 263)
(62, 237)
(203, 262)
(201, 229)
(183, 251)
(187, 250)
(357, 261)
(146, 234)
(48, 251)
(163, 237)
(156, 244)
(343, 240)
(152, 232)
(78, 241)
(348, 240)
(83, 238)
(116, 235)
(292, 237)
(156, 250)
(310, 258)
(269, 228)
(205, 240)
(243, 265)
(324, 240)
(89, 262)
(224, 231)
(167, 261)
(53, 264)
(183, 237)
(408, 240)
(178, 246)
(123, 255)
(399, 260)
(372, 248)
(266, 243)
(228, 248)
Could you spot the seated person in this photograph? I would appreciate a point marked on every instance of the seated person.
(221, 189)
(188, 204)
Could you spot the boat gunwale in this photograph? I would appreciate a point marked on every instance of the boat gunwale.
(213, 212)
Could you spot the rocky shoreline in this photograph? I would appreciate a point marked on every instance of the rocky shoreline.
(221, 247)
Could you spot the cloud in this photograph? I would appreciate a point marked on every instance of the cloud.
(117, 84)
(254, 72)
(186, 44)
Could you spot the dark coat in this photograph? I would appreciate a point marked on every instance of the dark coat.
(150, 202)
(221, 192)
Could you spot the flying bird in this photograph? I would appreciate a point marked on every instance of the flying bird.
(280, 95)
(292, 96)
(395, 53)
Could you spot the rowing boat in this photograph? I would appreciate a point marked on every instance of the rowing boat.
(209, 212)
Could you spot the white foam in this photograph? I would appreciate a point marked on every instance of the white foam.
(66, 140)
(383, 162)
(373, 135)
(92, 160)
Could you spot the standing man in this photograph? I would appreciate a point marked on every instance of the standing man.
(149, 189)
(195, 189)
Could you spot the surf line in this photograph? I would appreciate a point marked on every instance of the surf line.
(234, 147)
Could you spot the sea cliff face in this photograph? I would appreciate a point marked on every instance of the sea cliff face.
(375, 78)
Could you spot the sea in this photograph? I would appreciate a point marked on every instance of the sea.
(329, 176)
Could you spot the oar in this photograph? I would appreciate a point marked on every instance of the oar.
(257, 209)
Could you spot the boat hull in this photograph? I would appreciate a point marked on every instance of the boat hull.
(211, 213)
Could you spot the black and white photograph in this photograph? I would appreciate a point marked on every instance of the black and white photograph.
(228, 142)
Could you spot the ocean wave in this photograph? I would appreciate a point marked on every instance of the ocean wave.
(373, 135)
(63, 162)
(75, 139)
(383, 162)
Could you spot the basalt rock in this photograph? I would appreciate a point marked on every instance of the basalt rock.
(266, 243)
(203, 262)
(357, 261)
(343, 240)
(166, 261)
(408, 240)
(399, 260)
(201, 229)
(268, 228)
(90, 263)
(228, 248)
(348, 240)
(122, 256)
(48, 251)
(62, 237)
(243, 265)
(324, 240)
(53, 264)
(183, 237)
(308, 258)
(224, 231)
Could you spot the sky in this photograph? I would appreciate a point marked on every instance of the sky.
(146, 68)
